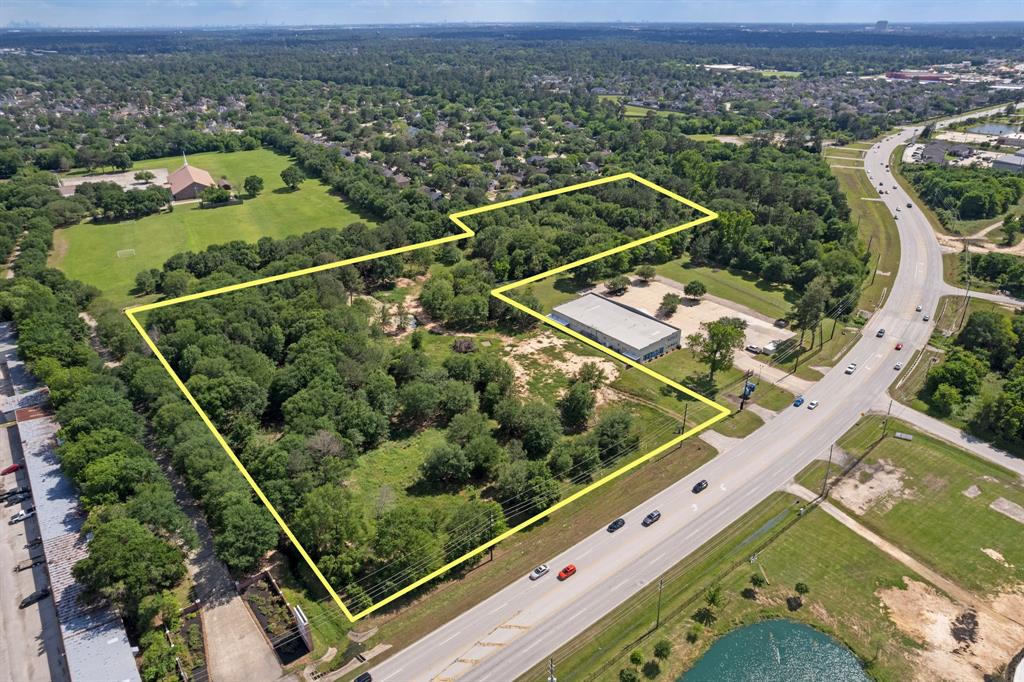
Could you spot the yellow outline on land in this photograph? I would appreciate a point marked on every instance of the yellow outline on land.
(498, 293)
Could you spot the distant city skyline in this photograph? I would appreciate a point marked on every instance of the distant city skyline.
(210, 13)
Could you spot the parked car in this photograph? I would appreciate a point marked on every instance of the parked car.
(898, 366)
(701, 485)
(616, 524)
(851, 368)
(539, 571)
(753, 349)
(22, 515)
(651, 518)
(31, 599)
(364, 677)
(567, 572)
(15, 499)
(29, 563)
(880, 333)
(918, 308)
(813, 404)
(926, 318)
(899, 346)
(10, 469)
(799, 401)
(910, 205)
(16, 491)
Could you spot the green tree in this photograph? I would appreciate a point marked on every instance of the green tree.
(716, 343)
(617, 285)
(802, 588)
(663, 649)
(646, 273)
(293, 177)
(253, 185)
(695, 289)
(245, 533)
(945, 399)
(669, 305)
(614, 435)
(576, 406)
(636, 658)
(158, 662)
(757, 580)
(127, 562)
(628, 675)
(446, 464)
(144, 176)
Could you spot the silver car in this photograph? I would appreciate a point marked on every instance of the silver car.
(539, 571)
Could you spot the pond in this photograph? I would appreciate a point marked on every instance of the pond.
(776, 651)
(993, 129)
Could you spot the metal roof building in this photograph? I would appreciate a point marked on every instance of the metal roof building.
(625, 330)
(95, 645)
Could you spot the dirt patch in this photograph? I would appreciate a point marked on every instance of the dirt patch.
(972, 492)
(879, 484)
(1009, 508)
(565, 361)
(996, 555)
(957, 643)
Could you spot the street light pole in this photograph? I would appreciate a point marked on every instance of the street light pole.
(828, 469)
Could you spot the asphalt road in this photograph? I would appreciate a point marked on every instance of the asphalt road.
(507, 634)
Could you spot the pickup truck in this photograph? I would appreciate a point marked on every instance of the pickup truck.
(29, 563)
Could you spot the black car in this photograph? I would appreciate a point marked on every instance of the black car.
(15, 499)
(700, 486)
(12, 493)
(365, 677)
(651, 518)
(38, 595)
(616, 524)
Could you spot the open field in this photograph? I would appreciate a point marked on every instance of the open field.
(743, 288)
(918, 495)
(842, 600)
(89, 252)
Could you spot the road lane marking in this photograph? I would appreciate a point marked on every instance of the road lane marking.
(498, 608)
(450, 638)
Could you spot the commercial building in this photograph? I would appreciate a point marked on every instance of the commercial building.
(625, 330)
(93, 642)
(1013, 163)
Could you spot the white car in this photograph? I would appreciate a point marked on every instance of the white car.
(898, 366)
(813, 404)
(918, 308)
(539, 571)
(22, 515)
(851, 368)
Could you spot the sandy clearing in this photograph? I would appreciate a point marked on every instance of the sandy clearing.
(996, 555)
(882, 485)
(566, 362)
(1009, 508)
(972, 492)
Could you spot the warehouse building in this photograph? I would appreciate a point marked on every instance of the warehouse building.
(625, 330)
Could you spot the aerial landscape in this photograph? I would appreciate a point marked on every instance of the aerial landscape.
(442, 340)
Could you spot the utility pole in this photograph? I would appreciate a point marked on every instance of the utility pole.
(490, 520)
(885, 424)
(686, 409)
(878, 261)
(551, 670)
(661, 584)
(828, 469)
(967, 292)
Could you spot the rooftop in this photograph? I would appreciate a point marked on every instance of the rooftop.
(629, 326)
(187, 175)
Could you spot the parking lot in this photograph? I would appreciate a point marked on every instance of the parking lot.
(30, 639)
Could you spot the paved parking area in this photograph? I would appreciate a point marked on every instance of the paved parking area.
(30, 637)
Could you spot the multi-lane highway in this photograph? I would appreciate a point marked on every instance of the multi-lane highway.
(502, 637)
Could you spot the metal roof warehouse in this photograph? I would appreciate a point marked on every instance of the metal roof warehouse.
(625, 330)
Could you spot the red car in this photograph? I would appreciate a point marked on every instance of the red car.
(11, 469)
(899, 346)
(567, 572)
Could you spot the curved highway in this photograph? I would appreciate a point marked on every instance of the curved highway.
(505, 635)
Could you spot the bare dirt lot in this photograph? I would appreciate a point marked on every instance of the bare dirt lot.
(959, 643)
(876, 484)
(69, 183)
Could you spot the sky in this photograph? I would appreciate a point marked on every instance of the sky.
(181, 13)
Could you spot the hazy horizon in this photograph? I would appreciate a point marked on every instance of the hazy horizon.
(174, 14)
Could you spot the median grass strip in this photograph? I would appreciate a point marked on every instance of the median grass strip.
(842, 601)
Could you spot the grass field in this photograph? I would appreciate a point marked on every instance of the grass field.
(89, 252)
(928, 516)
(740, 287)
(842, 600)
(877, 228)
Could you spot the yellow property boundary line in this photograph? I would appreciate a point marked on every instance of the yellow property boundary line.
(498, 293)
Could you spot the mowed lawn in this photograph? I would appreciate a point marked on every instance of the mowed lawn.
(89, 252)
(932, 518)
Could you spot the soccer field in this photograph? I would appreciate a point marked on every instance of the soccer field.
(108, 256)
